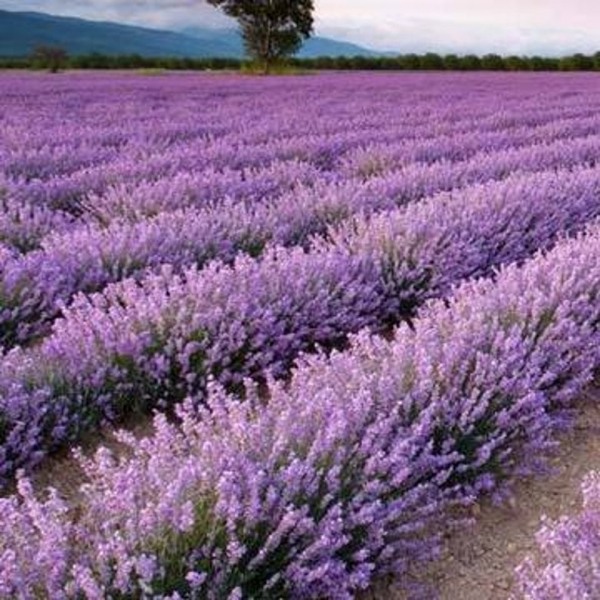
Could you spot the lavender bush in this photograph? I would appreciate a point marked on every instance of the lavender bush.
(34, 287)
(345, 474)
(179, 242)
(159, 131)
(159, 341)
(131, 163)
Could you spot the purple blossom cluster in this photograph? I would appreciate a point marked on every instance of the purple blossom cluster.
(160, 339)
(569, 564)
(119, 166)
(35, 286)
(346, 473)
(187, 242)
(23, 226)
(80, 142)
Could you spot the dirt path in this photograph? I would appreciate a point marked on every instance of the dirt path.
(479, 563)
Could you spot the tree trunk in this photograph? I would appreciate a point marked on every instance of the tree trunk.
(267, 55)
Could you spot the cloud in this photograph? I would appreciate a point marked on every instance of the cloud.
(151, 13)
(551, 27)
(430, 35)
(537, 14)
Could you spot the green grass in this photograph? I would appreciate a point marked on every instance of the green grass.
(151, 71)
(253, 68)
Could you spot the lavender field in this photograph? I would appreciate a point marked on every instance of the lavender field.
(353, 303)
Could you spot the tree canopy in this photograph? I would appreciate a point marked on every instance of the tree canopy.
(271, 29)
(52, 58)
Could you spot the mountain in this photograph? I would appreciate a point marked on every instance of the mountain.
(321, 46)
(21, 32)
(313, 47)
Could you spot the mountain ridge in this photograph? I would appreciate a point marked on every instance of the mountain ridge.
(21, 32)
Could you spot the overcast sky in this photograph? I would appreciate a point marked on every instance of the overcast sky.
(505, 26)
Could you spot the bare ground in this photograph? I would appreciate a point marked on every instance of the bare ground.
(62, 472)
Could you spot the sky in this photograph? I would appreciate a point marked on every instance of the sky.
(550, 27)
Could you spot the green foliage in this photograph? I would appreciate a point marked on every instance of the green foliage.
(295, 66)
(577, 62)
(151, 71)
(411, 62)
(470, 62)
(516, 63)
(451, 62)
(493, 62)
(271, 29)
(52, 58)
(431, 62)
(539, 63)
(276, 68)
(144, 63)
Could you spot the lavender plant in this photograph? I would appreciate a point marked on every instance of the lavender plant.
(162, 339)
(346, 473)
(344, 468)
(35, 287)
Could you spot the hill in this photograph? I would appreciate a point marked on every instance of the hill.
(20, 32)
(315, 46)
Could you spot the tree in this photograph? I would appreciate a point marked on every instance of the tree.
(576, 62)
(451, 62)
(431, 62)
(470, 62)
(52, 58)
(410, 62)
(516, 63)
(492, 62)
(272, 29)
(539, 63)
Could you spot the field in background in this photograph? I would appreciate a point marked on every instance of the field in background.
(407, 266)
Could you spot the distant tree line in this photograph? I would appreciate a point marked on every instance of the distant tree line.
(453, 62)
(53, 60)
(95, 60)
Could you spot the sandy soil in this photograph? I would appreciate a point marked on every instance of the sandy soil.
(62, 472)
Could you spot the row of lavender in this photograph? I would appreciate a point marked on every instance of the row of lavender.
(306, 175)
(156, 342)
(107, 192)
(160, 340)
(34, 287)
(57, 131)
(346, 473)
(48, 161)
